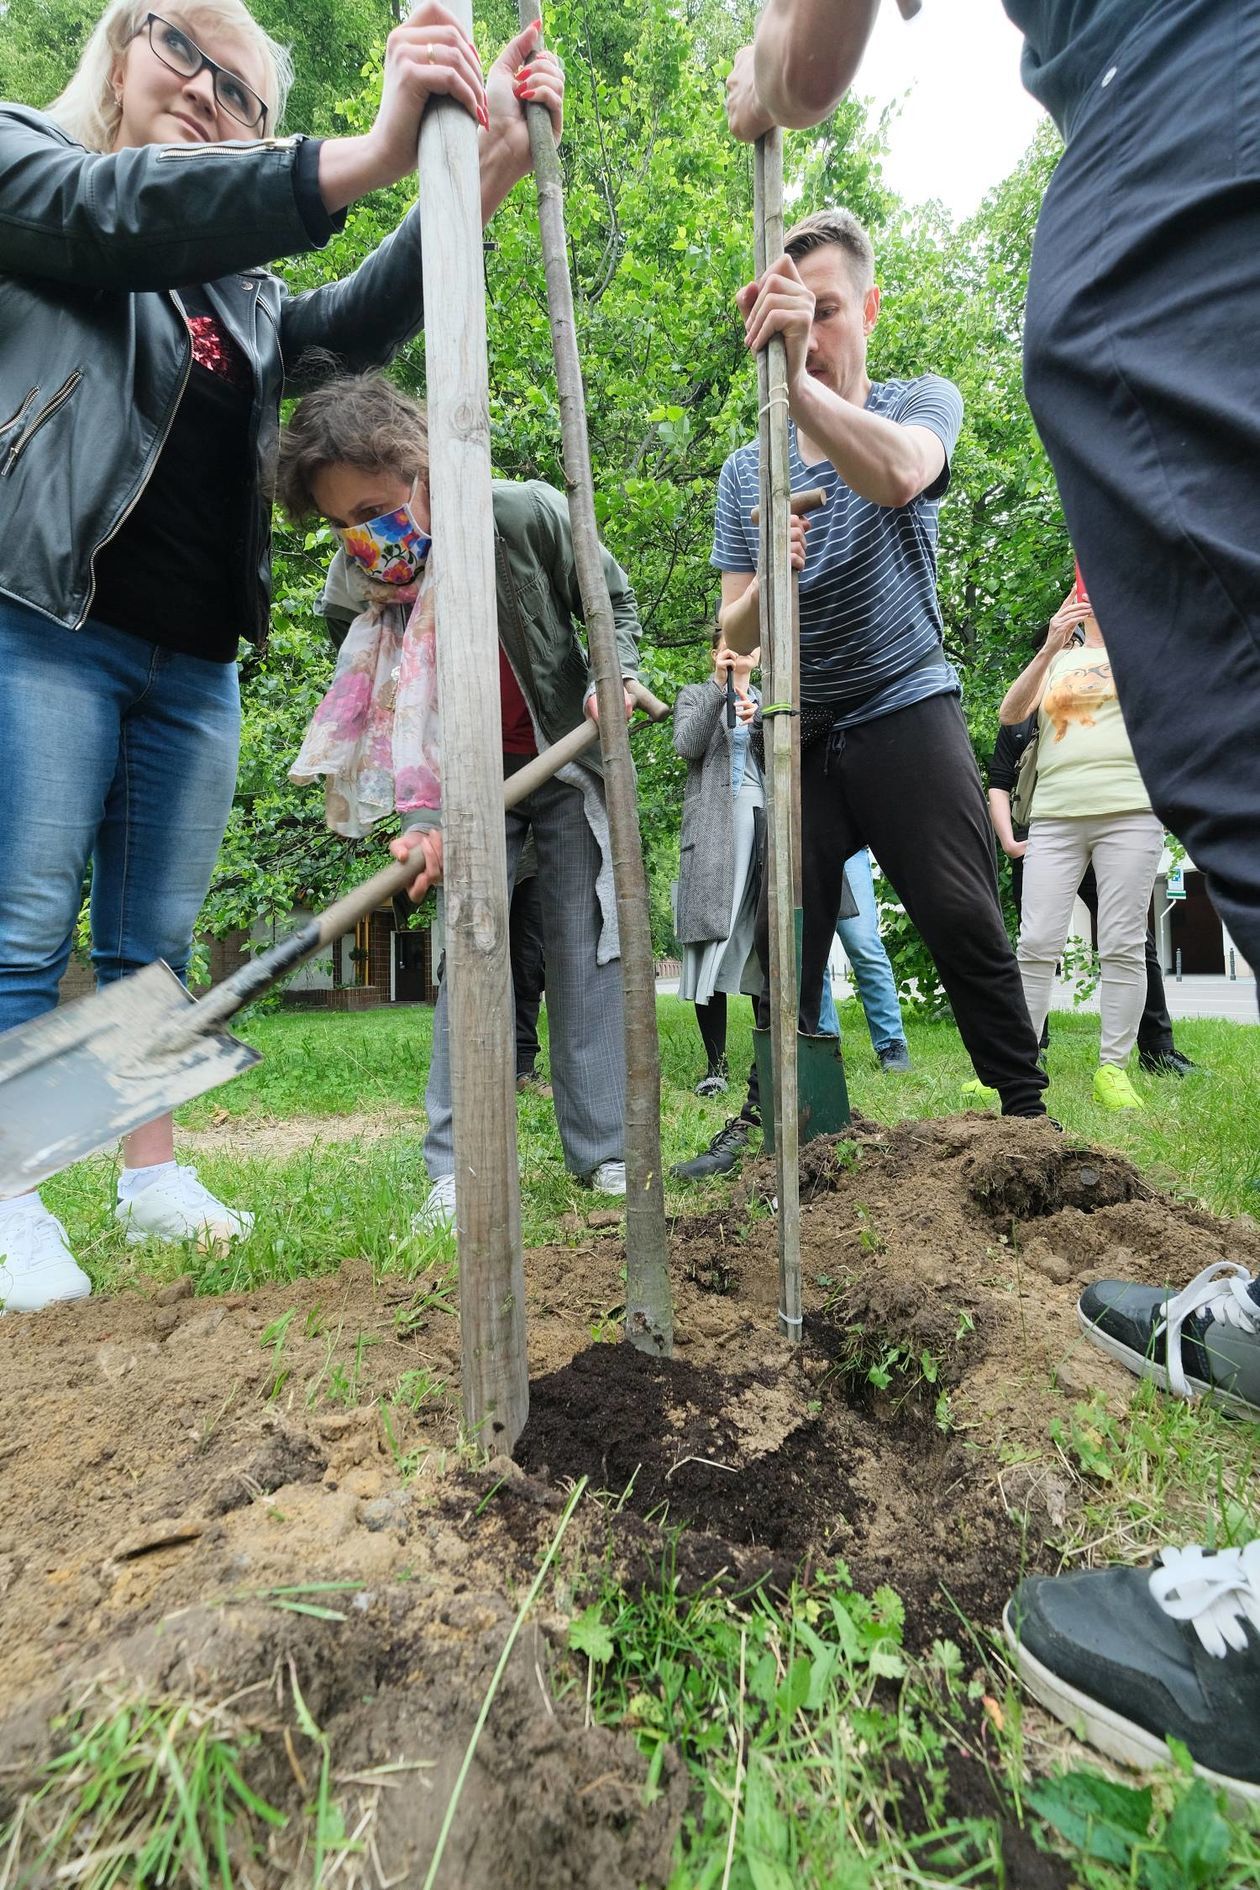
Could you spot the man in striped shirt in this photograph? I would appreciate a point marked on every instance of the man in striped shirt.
(886, 761)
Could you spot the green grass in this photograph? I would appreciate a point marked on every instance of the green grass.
(803, 1723)
(331, 1199)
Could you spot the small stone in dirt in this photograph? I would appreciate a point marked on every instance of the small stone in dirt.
(165, 1319)
(604, 1217)
(182, 1288)
(1039, 1254)
(386, 1512)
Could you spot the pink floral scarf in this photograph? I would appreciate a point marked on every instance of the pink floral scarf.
(376, 736)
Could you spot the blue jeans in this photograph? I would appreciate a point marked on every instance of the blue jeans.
(872, 973)
(115, 752)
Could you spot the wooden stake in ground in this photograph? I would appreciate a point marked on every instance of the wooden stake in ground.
(649, 1306)
(779, 714)
(479, 991)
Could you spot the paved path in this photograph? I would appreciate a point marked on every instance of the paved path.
(1234, 999)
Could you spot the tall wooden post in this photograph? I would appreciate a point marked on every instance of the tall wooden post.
(479, 993)
(649, 1306)
(782, 739)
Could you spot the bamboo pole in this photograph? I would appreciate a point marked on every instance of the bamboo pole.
(782, 749)
(649, 1304)
(479, 993)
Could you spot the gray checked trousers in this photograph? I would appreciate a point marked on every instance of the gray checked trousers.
(583, 999)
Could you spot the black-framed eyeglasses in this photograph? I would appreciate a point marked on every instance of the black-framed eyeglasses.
(181, 54)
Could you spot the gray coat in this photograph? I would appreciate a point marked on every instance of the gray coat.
(706, 867)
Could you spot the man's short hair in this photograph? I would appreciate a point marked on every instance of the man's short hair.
(840, 227)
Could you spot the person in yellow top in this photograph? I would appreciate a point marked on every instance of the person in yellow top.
(1090, 806)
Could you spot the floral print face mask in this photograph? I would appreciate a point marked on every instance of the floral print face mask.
(391, 549)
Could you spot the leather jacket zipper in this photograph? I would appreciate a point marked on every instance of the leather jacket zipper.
(58, 400)
(15, 419)
(225, 148)
(154, 452)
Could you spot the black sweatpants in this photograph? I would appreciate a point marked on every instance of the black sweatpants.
(1141, 350)
(907, 786)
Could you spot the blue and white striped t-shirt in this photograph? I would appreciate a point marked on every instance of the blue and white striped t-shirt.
(869, 612)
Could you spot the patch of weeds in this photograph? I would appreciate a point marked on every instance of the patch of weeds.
(345, 1380)
(1166, 1470)
(714, 1274)
(801, 1726)
(414, 1389)
(848, 1155)
(144, 1792)
(869, 1238)
(1176, 1835)
(439, 1297)
(606, 1327)
(274, 1337)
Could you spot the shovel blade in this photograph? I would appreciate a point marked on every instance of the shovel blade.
(75, 1080)
(822, 1093)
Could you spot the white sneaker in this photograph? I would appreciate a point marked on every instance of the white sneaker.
(178, 1207)
(437, 1210)
(37, 1267)
(608, 1178)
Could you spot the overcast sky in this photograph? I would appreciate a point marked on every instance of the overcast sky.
(967, 120)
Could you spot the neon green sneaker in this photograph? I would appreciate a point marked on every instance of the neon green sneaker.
(978, 1095)
(1113, 1089)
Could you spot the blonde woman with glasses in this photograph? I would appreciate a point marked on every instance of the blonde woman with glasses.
(144, 349)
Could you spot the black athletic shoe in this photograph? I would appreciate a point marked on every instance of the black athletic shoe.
(894, 1056)
(720, 1157)
(1168, 1062)
(1200, 1343)
(1127, 1656)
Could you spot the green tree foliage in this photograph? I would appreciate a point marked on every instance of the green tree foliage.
(659, 202)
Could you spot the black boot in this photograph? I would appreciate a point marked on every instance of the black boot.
(722, 1154)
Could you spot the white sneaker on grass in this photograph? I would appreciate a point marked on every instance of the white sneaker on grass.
(37, 1267)
(437, 1210)
(608, 1178)
(177, 1206)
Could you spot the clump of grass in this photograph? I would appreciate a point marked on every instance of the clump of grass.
(144, 1792)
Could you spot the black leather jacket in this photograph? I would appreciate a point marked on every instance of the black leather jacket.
(94, 348)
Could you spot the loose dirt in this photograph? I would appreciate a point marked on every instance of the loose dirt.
(170, 1465)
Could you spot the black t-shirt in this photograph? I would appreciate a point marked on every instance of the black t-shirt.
(1012, 740)
(175, 574)
(1067, 45)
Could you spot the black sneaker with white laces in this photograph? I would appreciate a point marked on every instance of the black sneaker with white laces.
(1127, 1657)
(722, 1154)
(1203, 1342)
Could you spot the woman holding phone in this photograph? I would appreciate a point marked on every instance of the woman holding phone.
(1090, 807)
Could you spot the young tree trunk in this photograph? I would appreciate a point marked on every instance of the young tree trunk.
(782, 740)
(649, 1306)
(479, 993)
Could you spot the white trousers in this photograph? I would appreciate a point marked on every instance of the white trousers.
(1125, 850)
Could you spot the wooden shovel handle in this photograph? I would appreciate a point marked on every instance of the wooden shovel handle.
(811, 501)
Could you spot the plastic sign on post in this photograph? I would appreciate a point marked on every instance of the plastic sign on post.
(1176, 887)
